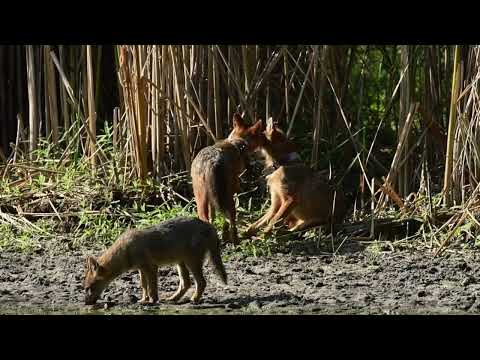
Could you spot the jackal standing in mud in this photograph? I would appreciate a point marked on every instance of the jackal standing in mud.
(216, 169)
(183, 241)
(299, 196)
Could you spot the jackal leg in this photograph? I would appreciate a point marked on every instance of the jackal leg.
(184, 283)
(274, 207)
(149, 275)
(196, 268)
(305, 224)
(202, 205)
(144, 283)
(232, 215)
(285, 209)
(211, 213)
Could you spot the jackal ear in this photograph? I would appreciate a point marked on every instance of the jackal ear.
(238, 121)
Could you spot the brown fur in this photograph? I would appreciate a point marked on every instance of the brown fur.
(299, 196)
(183, 241)
(216, 170)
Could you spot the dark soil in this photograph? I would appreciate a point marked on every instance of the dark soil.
(356, 282)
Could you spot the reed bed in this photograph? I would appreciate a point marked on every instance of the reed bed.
(397, 124)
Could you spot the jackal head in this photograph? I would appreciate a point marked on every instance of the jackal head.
(253, 135)
(277, 143)
(96, 280)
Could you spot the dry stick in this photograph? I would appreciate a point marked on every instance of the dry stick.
(210, 96)
(292, 120)
(97, 73)
(216, 95)
(372, 208)
(52, 95)
(317, 112)
(452, 125)
(186, 60)
(286, 87)
(472, 217)
(72, 141)
(354, 142)
(19, 166)
(92, 127)
(76, 104)
(32, 100)
(197, 110)
(115, 130)
(268, 68)
(297, 67)
(46, 84)
(154, 113)
(450, 235)
(389, 106)
(54, 209)
(63, 95)
(130, 107)
(202, 119)
(141, 109)
(458, 222)
(17, 140)
(64, 78)
(405, 100)
(181, 121)
(394, 167)
(388, 191)
(243, 100)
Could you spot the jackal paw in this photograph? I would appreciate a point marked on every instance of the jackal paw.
(147, 301)
(250, 232)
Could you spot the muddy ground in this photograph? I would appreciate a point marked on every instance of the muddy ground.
(355, 282)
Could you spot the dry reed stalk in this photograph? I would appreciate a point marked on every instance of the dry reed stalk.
(210, 98)
(64, 108)
(216, 94)
(181, 114)
(405, 100)
(154, 113)
(134, 90)
(318, 92)
(290, 126)
(19, 136)
(348, 126)
(4, 126)
(32, 100)
(231, 74)
(92, 115)
(285, 84)
(98, 63)
(392, 174)
(116, 126)
(52, 95)
(452, 127)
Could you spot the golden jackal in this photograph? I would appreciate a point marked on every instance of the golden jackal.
(216, 169)
(183, 241)
(299, 196)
